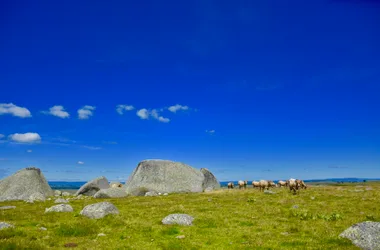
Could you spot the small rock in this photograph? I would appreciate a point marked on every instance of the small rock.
(4, 225)
(165, 194)
(368, 188)
(295, 206)
(37, 197)
(209, 189)
(49, 199)
(60, 200)
(7, 207)
(180, 219)
(43, 228)
(57, 193)
(365, 235)
(101, 234)
(312, 197)
(99, 210)
(66, 194)
(180, 237)
(268, 192)
(285, 233)
(151, 193)
(113, 192)
(59, 208)
(159, 194)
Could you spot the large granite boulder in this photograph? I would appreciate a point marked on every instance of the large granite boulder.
(365, 235)
(23, 184)
(210, 180)
(113, 192)
(92, 187)
(165, 177)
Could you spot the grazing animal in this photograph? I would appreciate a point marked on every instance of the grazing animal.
(230, 185)
(266, 184)
(282, 183)
(241, 184)
(245, 184)
(301, 184)
(255, 184)
(293, 185)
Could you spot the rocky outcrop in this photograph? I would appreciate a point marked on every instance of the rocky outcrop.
(210, 180)
(99, 210)
(23, 184)
(365, 235)
(179, 219)
(59, 208)
(111, 193)
(168, 177)
(92, 187)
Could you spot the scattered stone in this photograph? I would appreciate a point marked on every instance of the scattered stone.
(93, 186)
(23, 184)
(99, 210)
(365, 235)
(151, 193)
(295, 206)
(159, 194)
(66, 194)
(165, 194)
(180, 219)
(101, 235)
(312, 197)
(60, 200)
(71, 244)
(285, 233)
(4, 225)
(209, 189)
(59, 208)
(7, 207)
(43, 228)
(49, 199)
(368, 188)
(57, 193)
(268, 192)
(180, 237)
(113, 192)
(36, 197)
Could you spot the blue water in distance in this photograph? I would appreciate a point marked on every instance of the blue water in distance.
(77, 185)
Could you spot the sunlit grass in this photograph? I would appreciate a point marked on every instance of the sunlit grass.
(224, 219)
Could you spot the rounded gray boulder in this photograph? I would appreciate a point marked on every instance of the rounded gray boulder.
(179, 219)
(99, 210)
(210, 180)
(165, 176)
(93, 186)
(23, 184)
(365, 235)
(4, 225)
(59, 208)
(115, 192)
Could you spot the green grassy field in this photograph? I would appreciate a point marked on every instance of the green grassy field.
(224, 219)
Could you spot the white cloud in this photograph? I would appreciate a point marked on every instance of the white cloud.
(211, 132)
(85, 112)
(156, 115)
(58, 111)
(121, 108)
(177, 107)
(80, 162)
(91, 147)
(143, 114)
(10, 108)
(25, 138)
(29, 151)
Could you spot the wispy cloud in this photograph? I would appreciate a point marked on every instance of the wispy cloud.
(29, 151)
(121, 108)
(211, 132)
(25, 138)
(91, 147)
(11, 109)
(80, 162)
(58, 111)
(177, 107)
(145, 114)
(85, 112)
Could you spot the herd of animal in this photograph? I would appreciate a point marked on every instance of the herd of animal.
(293, 184)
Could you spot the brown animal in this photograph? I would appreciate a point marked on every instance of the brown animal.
(282, 183)
(266, 184)
(301, 184)
(230, 185)
(293, 185)
(255, 184)
(241, 184)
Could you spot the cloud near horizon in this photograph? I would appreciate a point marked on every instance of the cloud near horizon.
(85, 112)
(80, 162)
(25, 138)
(58, 111)
(10, 108)
(29, 151)
(121, 108)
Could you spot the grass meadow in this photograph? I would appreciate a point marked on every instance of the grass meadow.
(224, 219)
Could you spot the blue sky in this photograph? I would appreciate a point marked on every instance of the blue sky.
(264, 89)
